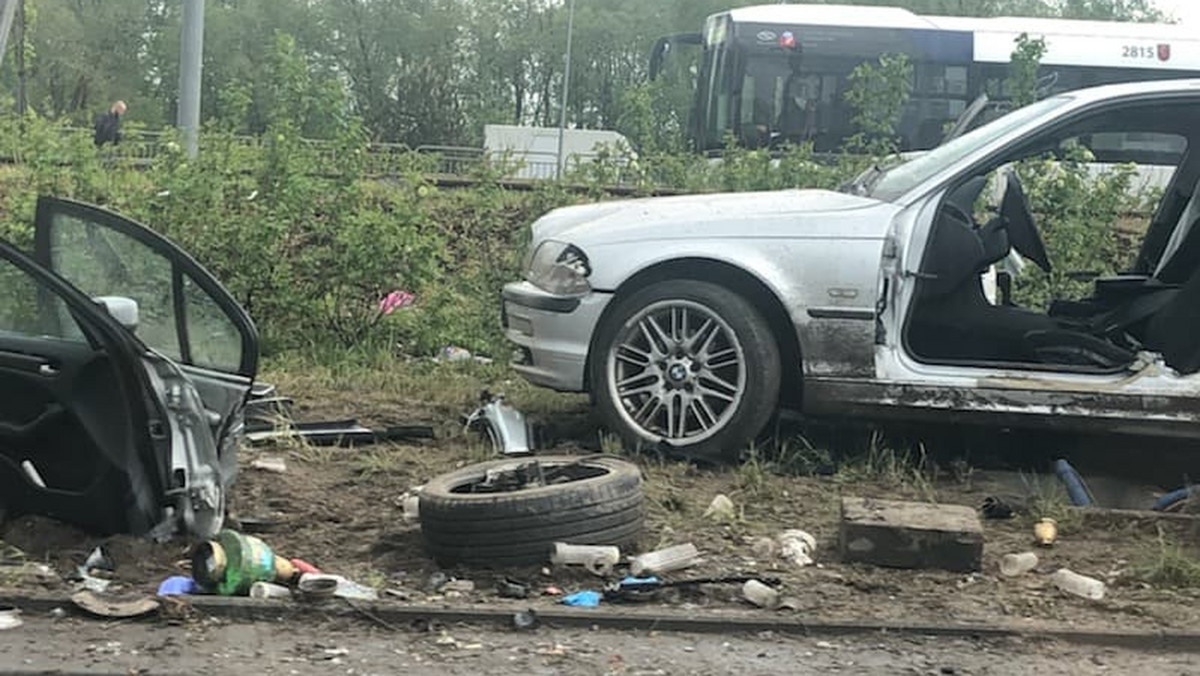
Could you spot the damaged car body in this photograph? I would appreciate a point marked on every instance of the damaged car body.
(124, 371)
(690, 320)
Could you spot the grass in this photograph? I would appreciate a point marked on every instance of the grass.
(1170, 566)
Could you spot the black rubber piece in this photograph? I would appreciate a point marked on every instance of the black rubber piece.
(763, 370)
(521, 527)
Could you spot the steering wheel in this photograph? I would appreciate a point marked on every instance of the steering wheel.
(1022, 232)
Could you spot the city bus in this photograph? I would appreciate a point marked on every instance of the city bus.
(772, 74)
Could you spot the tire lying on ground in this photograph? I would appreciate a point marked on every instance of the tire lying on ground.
(601, 505)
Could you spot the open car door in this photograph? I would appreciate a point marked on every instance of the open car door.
(78, 418)
(201, 342)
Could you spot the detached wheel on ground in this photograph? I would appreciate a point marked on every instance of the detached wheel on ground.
(688, 365)
(511, 512)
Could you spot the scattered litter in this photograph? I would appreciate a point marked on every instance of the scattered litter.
(410, 506)
(270, 463)
(178, 585)
(598, 559)
(666, 560)
(996, 508)
(721, 509)
(796, 547)
(396, 300)
(267, 590)
(1079, 585)
(454, 353)
(552, 591)
(556, 650)
(760, 594)
(504, 427)
(98, 560)
(583, 599)
(436, 580)
(511, 589)
(1045, 532)
(231, 563)
(57, 613)
(460, 586)
(526, 620)
(10, 618)
(645, 588)
(303, 566)
(336, 652)
(1077, 491)
(314, 587)
(445, 639)
(1014, 565)
(112, 608)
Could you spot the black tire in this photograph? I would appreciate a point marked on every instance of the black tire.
(763, 372)
(521, 527)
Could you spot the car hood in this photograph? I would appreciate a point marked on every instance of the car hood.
(716, 215)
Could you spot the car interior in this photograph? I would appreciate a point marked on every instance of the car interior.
(65, 439)
(1155, 306)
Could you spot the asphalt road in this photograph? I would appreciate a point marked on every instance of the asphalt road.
(75, 646)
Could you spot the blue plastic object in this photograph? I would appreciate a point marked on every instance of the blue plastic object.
(1178, 495)
(583, 599)
(1076, 490)
(178, 586)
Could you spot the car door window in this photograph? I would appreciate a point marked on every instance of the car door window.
(103, 262)
(26, 310)
(185, 314)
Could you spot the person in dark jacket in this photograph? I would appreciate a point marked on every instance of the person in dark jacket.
(108, 125)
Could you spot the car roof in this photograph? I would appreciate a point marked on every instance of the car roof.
(1134, 89)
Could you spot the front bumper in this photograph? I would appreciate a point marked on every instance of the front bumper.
(553, 334)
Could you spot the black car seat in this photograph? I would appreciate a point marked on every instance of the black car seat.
(1174, 331)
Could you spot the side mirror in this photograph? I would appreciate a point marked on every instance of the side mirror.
(124, 310)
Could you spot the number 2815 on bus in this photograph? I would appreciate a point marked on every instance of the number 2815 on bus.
(1139, 52)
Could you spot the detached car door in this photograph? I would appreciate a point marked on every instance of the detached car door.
(202, 343)
(77, 419)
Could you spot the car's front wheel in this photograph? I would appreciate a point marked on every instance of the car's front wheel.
(688, 364)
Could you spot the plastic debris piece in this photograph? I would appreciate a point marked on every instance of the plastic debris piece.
(1014, 565)
(110, 608)
(1080, 585)
(665, 560)
(583, 599)
(460, 586)
(760, 594)
(10, 618)
(796, 547)
(303, 566)
(270, 463)
(598, 559)
(526, 620)
(511, 589)
(266, 590)
(721, 509)
(178, 585)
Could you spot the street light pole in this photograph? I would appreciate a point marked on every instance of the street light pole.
(191, 53)
(562, 120)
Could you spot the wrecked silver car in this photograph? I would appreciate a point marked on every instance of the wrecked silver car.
(124, 370)
(691, 319)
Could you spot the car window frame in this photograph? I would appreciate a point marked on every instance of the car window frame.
(182, 265)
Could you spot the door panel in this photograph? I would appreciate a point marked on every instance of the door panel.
(74, 441)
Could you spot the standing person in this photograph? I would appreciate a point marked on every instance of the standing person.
(108, 125)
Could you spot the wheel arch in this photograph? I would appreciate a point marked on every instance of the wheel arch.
(747, 285)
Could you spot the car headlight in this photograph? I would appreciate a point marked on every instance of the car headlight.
(559, 268)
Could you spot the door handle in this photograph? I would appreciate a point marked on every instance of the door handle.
(48, 370)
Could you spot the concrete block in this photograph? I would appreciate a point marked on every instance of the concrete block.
(910, 535)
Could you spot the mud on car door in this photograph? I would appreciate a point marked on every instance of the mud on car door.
(75, 411)
(203, 354)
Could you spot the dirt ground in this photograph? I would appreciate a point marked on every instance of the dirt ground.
(70, 646)
(340, 509)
